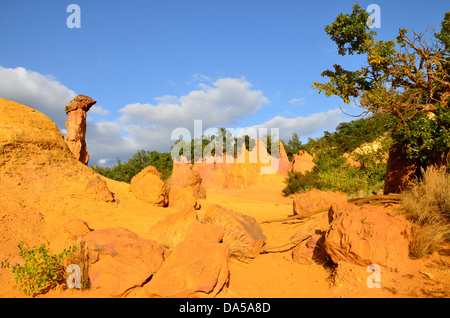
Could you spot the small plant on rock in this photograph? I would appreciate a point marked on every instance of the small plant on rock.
(40, 269)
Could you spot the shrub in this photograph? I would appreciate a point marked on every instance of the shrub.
(347, 180)
(427, 206)
(332, 173)
(299, 182)
(40, 269)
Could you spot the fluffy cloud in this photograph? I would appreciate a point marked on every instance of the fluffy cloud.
(305, 126)
(98, 110)
(221, 104)
(35, 90)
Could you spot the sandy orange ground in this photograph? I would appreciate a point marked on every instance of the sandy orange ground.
(268, 275)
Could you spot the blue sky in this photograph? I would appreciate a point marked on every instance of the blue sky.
(153, 66)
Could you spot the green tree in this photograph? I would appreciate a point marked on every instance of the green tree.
(293, 145)
(407, 78)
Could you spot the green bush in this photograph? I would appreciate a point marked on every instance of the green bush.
(332, 172)
(426, 137)
(39, 270)
(299, 182)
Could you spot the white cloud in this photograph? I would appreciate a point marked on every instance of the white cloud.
(98, 110)
(149, 126)
(37, 91)
(223, 103)
(298, 101)
(305, 126)
(167, 99)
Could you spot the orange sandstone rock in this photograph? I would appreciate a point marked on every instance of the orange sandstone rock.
(365, 235)
(148, 186)
(243, 235)
(125, 260)
(76, 126)
(196, 268)
(302, 162)
(315, 199)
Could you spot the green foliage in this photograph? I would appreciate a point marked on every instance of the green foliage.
(332, 172)
(293, 146)
(126, 171)
(299, 182)
(408, 77)
(350, 135)
(223, 142)
(426, 137)
(39, 270)
(349, 31)
(347, 179)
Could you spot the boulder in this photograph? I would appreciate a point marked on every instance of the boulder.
(185, 187)
(196, 268)
(365, 235)
(183, 175)
(315, 199)
(76, 126)
(209, 232)
(172, 230)
(400, 171)
(310, 251)
(303, 162)
(148, 186)
(124, 260)
(243, 235)
(98, 188)
(182, 198)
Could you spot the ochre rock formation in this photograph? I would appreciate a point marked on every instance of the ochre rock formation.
(185, 186)
(195, 268)
(303, 162)
(148, 186)
(29, 137)
(172, 230)
(284, 165)
(315, 199)
(98, 188)
(76, 126)
(247, 169)
(365, 235)
(243, 235)
(125, 260)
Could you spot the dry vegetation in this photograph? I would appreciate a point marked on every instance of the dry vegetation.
(427, 207)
